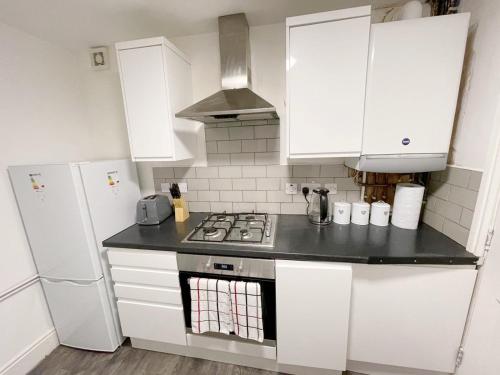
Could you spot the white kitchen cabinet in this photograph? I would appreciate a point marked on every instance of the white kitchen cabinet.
(146, 283)
(327, 57)
(312, 307)
(156, 83)
(409, 316)
(412, 87)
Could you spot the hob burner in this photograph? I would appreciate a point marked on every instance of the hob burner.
(221, 217)
(245, 234)
(210, 232)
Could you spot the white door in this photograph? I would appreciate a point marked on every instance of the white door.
(326, 80)
(312, 308)
(145, 95)
(482, 337)
(54, 217)
(81, 314)
(409, 316)
(412, 84)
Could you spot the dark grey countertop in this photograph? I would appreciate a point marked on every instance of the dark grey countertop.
(297, 239)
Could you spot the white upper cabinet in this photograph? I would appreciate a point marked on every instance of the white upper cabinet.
(326, 77)
(156, 83)
(411, 94)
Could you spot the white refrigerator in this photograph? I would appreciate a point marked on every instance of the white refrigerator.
(67, 211)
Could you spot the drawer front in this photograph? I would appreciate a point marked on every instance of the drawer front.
(164, 260)
(154, 322)
(148, 294)
(169, 279)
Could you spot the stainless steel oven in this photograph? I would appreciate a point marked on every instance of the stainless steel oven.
(232, 268)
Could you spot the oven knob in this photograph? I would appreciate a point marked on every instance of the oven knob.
(207, 265)
(240, 267)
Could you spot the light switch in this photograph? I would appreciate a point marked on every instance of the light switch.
(291, 188)
(183, 187)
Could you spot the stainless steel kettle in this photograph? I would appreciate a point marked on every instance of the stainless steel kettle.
(319, 209)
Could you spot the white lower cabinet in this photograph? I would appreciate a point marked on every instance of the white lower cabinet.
(312, 307)
(154, 322)
(409, 316)
(146, 283)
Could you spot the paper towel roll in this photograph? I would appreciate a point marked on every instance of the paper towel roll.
(360, 213)
(407, 205)
(342, 213)
(380, 214)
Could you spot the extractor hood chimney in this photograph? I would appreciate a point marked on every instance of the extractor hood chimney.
(236, 100)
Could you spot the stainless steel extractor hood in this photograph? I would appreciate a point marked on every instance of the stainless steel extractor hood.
(236, 100)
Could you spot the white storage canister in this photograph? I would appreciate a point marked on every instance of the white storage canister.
(380, 213)
(407, 205)
(342, 213)
(360, 213)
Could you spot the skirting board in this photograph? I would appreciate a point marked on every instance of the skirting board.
(225, 357)
(32, 355)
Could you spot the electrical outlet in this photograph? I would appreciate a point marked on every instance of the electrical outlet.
(165, 187)
(310, 185)
(183, 187)
(291, 188)
(332, 188)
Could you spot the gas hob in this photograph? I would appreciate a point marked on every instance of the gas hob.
(248, 229)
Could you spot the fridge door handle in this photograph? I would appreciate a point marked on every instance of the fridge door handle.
(71, 282)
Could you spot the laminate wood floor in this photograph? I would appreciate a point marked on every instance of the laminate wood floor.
(130, 361)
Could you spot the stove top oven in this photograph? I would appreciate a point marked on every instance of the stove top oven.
(231, 268)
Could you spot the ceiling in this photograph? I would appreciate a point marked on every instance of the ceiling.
(79, 24)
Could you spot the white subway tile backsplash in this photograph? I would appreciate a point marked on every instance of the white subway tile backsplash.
(256, 122)
(254, 196)
(278, 196)
(456, 232)
(231, 196)
(466, 218)
(221, 207)
(197, 184)
(293, 208)
(254, 145)
(227, 147)
(267, 131)
(244, 207)
(346, 183)
(163, 172)
(270, 208)
(244, 184)
(253, 171)
(463, 197)
(440, 190)
(337, 170)
(207, 172)
(434, 220)
(456, 176)
(306, 170)
(246, 158)
(221, 184)
(230, 172)
(211, 147)
(267, 158)
(229, 124)
(273, 144)
(475, 180)
(217, 159)
(244, 132)
(182, 172)
(209, 196)
(279, 170)
(190, 195)
(217, 134)
(269, 183)
(199, 206)
(353, 196)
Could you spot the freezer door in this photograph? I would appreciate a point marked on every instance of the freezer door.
(55, 217)
(81, 314)
(112, 192)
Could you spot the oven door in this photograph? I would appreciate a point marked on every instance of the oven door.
(268, 291)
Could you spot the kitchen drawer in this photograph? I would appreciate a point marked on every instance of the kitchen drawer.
(164, 260)
(149, 321)
(168, 279)
(148, 293)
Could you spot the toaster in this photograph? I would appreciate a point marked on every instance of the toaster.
(153, 209)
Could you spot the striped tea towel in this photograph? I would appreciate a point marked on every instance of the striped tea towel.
(247, 310)
(210, 306)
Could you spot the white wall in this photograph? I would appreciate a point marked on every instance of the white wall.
(480, 86)
(42, 119)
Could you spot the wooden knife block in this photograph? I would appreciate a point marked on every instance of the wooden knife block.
(180, 210)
